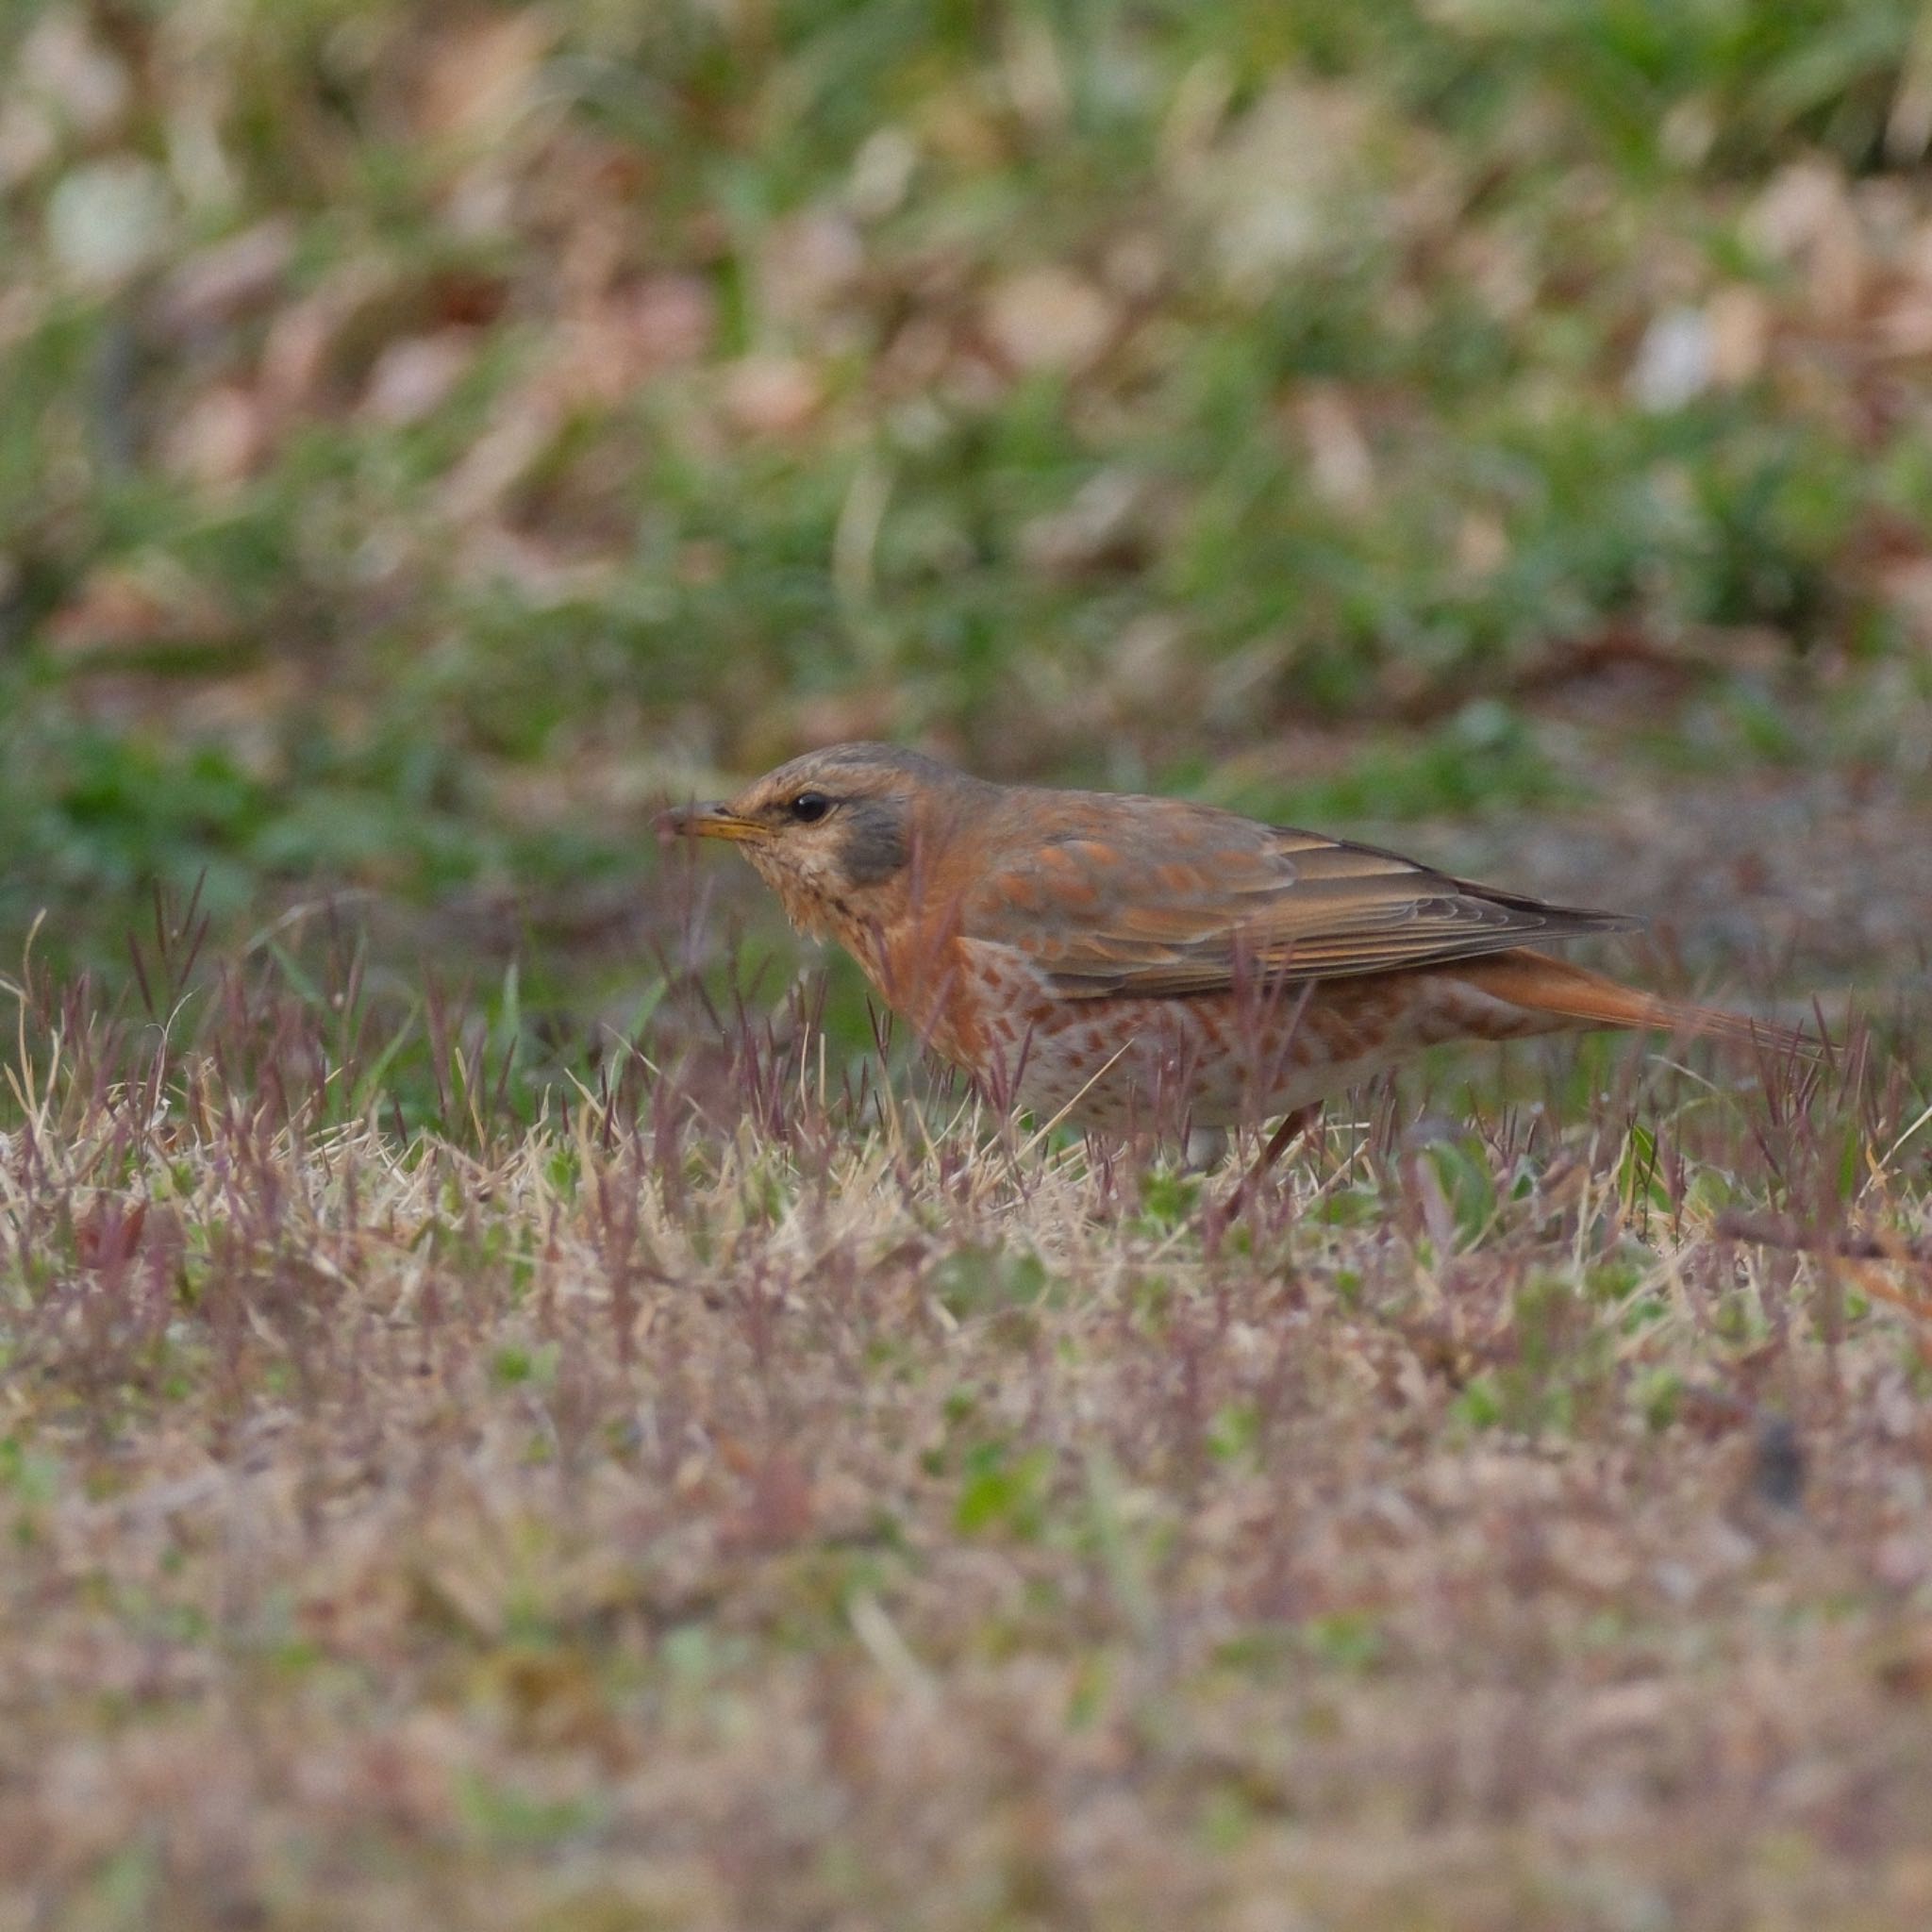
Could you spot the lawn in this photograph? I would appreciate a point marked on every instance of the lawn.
(521, 1404)
(732, 1498)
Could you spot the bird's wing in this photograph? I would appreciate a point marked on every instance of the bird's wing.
(1152, 896)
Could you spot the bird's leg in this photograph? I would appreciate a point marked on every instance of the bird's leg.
(1203, 1148)
(1302, 1120)
(1284, 1137)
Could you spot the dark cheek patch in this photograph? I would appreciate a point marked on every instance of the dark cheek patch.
(874, 846)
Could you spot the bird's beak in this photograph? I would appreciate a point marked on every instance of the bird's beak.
(709, 821)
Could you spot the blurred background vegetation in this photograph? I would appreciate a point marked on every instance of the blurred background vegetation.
(430, 433)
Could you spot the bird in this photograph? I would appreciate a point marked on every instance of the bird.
(1128, 962)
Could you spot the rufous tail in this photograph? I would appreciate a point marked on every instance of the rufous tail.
(1544, 985)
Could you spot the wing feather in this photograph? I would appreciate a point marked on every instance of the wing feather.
(1155, 897)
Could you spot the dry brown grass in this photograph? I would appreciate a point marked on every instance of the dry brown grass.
(719, 1503)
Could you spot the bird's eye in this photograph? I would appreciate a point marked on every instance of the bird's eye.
(809, 807)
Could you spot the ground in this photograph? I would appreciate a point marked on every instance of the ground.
(518, 1405)
(747, 1509)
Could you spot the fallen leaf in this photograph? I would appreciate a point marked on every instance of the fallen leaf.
(414, 377)
(479, 77)
(109, 218)
(63, 65)
(1737, 322)
(216, 440)
(1339, 464)
(1100, 527)
(772, 395)
(881, 173)
(1806, 218)
(1675, 360)
(808, 264)
(123, 609)
(227, 279)
(1049, 319)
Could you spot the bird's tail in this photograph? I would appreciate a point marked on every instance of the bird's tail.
(1542, 985)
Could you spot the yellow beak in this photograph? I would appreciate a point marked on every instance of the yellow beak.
(711, 822)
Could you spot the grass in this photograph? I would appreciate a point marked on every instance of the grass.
(518, 1405)
(425, 438)
(679, 1494)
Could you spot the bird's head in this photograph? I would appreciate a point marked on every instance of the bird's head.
(834, 833)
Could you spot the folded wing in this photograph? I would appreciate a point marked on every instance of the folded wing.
(1155, 896)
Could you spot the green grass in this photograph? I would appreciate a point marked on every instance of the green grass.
(472, 433)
